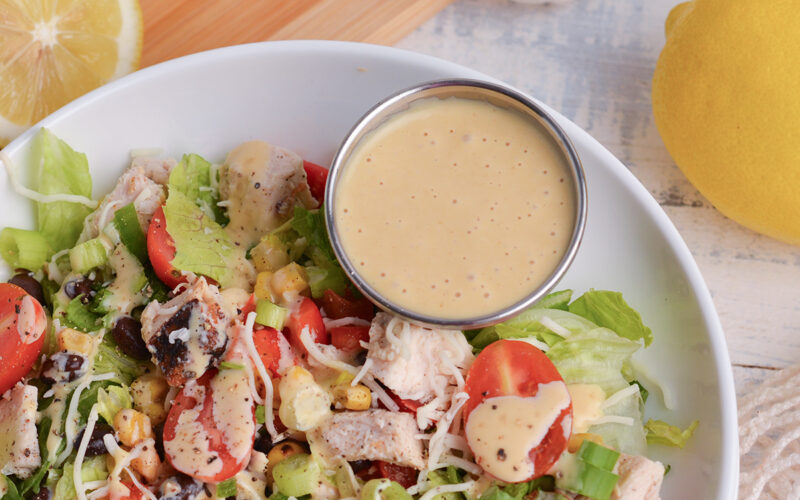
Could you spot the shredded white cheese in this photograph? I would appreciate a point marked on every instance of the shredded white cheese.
(348, 321)
(247, 336)
(361, 373)
(318, 356)
(446, 488)
(70, 426)
(548, 322)
(39, 197)
(77, 478)
(147, 493)
(534, 342)
(438, 445)
(461, 463)
(619, 396)
(381, 395)
(613, 419)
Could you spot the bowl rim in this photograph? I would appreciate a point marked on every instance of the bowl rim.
(396, 103)
(729, 461)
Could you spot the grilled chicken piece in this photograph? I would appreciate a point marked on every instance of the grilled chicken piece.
(261, 184)
(19, 443)
(371, 435)
(188, 334)
(639, 478)
(140, 184)
(414, 362)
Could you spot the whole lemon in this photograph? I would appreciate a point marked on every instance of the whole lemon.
(726, 100)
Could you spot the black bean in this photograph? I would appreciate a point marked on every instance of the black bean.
(82, 287)
(263, 443)
(359, 465)
(30, 285)
(128, 335)
(158, 430)
(44, 494)
(189, 488)
(63, 367)
(96, 446)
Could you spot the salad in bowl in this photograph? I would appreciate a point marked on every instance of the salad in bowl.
(191, 335)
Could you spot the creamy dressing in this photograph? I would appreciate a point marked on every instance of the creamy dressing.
(502, 431)
(30, 325)
(587, 405)
(189, 450)
(455, 208)
(233, 412)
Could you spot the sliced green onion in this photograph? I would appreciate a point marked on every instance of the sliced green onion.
(595, 482)
(269, 314)
(597, 455)
(24, 249)
(130, 231)
(227, 488)
(88, 255)
(230, 365)
(260, 415)
(297, 475)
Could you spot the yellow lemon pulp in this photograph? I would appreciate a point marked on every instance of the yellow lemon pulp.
(52, 51)
(726, 102)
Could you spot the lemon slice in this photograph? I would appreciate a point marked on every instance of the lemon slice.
(52, 51)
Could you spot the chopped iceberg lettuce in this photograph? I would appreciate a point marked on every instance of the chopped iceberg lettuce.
(192, 176)
(93, 469)
(593, 357)
(610, 310)
(110, 359)
(201, 245)
(111, 400)
(60, 170)
(660, 432)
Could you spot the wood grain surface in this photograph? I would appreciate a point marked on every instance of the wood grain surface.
(175, 28)
(593, 61)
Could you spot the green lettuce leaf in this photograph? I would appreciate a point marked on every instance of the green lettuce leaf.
(111, 400)
(660, 432)
(201, 245)
(593, 357)
(93, 469)
(628, 439)
(192, 177)
(60, 170)
(324, 271)
(110, 359)
(609, 309)
(80, 316)
(529, 324)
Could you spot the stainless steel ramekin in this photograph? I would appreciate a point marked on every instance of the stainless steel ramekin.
(498, 95)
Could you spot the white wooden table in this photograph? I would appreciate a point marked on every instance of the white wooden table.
(593, 60)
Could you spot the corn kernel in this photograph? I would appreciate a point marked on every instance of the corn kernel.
(75, 341)
(350, 397)
(576, 440)
(263, 288)
(132, 426)
(149, 393)
(290, 279)
(269, 255)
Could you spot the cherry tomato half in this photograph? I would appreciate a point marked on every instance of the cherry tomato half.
(349, 338)
(188, 427)
(515, 368)
(307, 315)
(337, 307)
(317, 176)
(161, 250)
(22, 325)
(268, 342)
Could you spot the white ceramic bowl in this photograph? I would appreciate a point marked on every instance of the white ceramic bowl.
(306, 96)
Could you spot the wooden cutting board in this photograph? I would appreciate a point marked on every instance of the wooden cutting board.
(174, 28)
